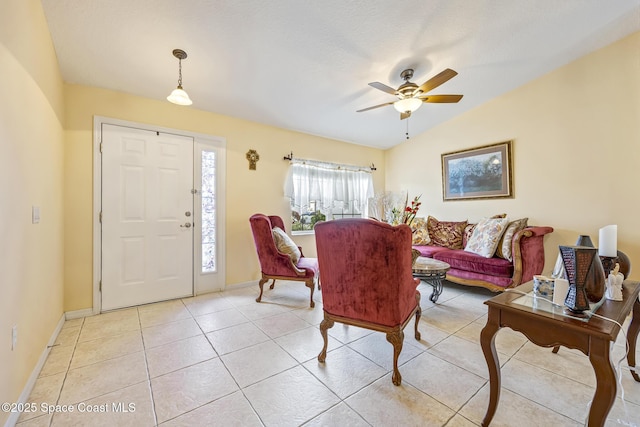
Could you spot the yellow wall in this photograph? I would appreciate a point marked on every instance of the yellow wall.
(576, 139)
(31, 167)
(247, 192)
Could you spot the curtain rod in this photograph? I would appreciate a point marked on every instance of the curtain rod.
(290, 158)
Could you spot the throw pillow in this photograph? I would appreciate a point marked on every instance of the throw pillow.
(446, 234)
(486, 236)
(285, 244)
(420, 232)
(504, 247)
(468, 231)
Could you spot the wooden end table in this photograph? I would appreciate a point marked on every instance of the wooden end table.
(433, 272)
(551, 329)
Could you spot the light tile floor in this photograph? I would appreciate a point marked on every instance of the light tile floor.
(223, 359)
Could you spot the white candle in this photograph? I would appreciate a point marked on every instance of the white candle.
(608, 241)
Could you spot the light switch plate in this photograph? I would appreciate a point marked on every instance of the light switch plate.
(35, 214)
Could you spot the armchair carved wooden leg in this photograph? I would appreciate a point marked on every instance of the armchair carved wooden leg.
(261, 284)
(311, 285)
(396, 338)
(272, 284)
(324, 325)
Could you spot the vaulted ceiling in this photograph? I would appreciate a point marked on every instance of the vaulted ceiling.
(306, 65)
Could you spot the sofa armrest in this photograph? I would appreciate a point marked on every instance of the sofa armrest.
(528, 253)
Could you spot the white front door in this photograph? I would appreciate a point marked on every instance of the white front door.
(147, 216)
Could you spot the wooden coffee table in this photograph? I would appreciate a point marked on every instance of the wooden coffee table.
(548, 327)
(433, 272)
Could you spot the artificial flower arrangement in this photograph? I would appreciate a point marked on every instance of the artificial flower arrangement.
(411, 211)
(407, 215)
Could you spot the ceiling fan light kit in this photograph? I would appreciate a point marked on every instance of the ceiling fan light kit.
(407, 105)
(178, 95)
(411, 96)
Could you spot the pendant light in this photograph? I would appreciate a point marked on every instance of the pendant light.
(179, 96)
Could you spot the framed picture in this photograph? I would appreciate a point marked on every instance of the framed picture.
(479, 173)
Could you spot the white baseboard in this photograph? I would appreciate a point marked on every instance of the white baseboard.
(241, 285)
(31, 382)
(79, 313)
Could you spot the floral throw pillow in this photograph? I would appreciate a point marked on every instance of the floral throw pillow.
(504, 247)
(420, 232)
(468, 230)
(486, 236)
(285, 244)
(446, 234)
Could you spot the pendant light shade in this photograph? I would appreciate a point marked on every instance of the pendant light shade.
(179, 96)
(407, 104)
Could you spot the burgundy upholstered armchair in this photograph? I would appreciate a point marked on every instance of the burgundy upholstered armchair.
(276, 264)
(367, 279)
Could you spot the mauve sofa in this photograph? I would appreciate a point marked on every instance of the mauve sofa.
(495, 273)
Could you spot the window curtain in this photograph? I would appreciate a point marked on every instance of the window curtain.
(327, 184)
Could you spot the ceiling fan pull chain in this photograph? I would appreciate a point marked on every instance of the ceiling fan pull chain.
(407, 133)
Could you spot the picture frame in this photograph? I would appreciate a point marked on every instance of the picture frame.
(478, 173)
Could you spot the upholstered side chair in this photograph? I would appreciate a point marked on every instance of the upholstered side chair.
(286, 263)
(367, 280)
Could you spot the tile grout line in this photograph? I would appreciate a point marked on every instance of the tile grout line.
(64, 380)
(146, 364)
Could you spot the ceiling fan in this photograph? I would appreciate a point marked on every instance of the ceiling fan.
(411, 96)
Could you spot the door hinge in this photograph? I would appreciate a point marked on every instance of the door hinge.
(194, 191)
(100, 217)
(101, 147)
(100, 285)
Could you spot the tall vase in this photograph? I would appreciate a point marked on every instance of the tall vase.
(577, 264)
(595, 283)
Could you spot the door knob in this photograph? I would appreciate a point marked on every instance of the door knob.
(186, 225)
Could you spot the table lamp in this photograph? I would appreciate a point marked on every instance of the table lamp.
(577, 264)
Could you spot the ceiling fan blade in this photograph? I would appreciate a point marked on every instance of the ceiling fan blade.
(437, 80)
(375, 106)
(383, 87)
(405, 115)
(441, 99)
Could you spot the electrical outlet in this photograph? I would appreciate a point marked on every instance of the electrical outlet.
(14, 337)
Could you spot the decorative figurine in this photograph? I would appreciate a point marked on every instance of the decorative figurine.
(614, 284)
